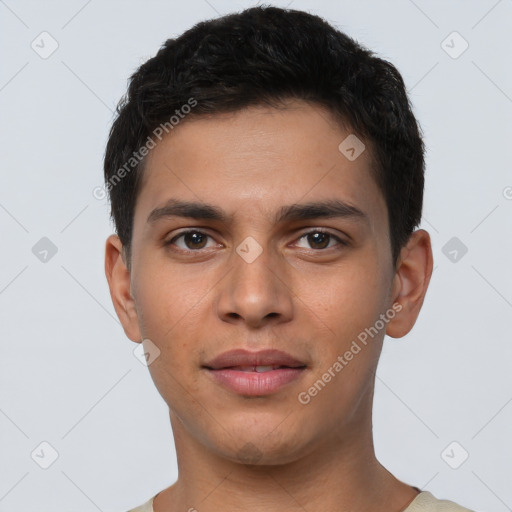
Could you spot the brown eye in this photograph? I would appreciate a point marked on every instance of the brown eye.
(193, 240)
(319, 239)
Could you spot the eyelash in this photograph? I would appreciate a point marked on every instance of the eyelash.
(317, 230)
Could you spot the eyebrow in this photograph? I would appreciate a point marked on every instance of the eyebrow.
(293, 212)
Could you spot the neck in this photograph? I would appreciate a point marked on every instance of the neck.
(340, 472)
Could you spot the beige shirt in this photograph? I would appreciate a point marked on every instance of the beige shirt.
(424, 502)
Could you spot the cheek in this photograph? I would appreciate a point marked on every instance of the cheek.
(172, 319)
(346, 354)
(171, 309)
(166, 298)
(347, 301)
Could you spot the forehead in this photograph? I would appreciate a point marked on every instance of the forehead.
(253, 161)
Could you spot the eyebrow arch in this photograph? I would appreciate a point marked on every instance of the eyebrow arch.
(293, 212)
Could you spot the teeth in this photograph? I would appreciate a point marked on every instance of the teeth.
(258, 369)
(261, 369)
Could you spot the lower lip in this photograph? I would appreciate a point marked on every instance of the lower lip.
(256, 383)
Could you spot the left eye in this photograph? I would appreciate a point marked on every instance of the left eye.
(320, 238)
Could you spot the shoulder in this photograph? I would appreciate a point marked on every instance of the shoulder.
(146, 507)
(427, 502)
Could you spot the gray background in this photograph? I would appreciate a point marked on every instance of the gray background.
(68, 375)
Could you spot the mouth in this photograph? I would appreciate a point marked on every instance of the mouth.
(255, 373)
(257, 369)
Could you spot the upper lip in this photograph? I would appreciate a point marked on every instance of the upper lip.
(241, 357)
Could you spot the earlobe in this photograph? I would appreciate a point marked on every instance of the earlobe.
(118, 277)
(411, 282)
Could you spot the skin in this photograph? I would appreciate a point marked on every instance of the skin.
(308, 296)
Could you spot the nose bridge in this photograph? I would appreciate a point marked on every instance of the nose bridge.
(254, 290)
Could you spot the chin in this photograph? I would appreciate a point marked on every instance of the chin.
(266, 446)
(254, 454)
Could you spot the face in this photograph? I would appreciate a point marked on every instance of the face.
(286, 250)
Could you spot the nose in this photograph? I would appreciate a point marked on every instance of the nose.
(256, 292)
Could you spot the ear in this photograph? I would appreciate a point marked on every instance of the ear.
(411, 282)
(118, 277)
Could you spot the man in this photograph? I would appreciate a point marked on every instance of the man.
(266, 176)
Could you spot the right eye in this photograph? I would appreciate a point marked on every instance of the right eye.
(193, 240)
